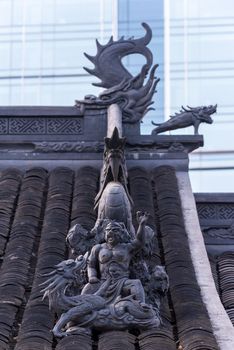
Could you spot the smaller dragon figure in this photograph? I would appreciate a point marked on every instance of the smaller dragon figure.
(69, 274)
(187, 117)
(133, 96)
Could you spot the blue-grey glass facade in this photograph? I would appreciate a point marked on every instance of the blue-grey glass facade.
(130, 14)
(202, 73)
(42, 44)
(41, 49)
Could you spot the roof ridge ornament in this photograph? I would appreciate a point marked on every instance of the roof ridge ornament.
(190, 116)
(129, 92)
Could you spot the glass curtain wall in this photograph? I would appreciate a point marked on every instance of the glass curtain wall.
(202, 73)
(131, 14)
(41, 49)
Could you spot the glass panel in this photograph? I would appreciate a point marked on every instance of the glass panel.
(209, 180)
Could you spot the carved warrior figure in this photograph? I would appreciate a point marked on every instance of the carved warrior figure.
(129, 92)
(108, 267)
(111, 299)
(93, 311)
(187, 117)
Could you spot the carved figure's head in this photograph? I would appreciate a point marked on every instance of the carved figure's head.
(203, 113)
(116, 232)
(159, 279)
(76, 239)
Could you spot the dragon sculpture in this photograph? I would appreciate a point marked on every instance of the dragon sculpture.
(187, 117)
(133, 96)
(91, 311)
(113, 199)
(111, 285)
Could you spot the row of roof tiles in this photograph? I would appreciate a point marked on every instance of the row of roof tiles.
(37, 208)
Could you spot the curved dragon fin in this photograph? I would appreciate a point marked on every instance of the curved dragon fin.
(91, 58)
(148, 36)
(90, 71)
(111, 40)
(153, 123)
(99, 46)
(108, 60)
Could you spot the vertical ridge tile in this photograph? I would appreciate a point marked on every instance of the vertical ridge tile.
(85, 191)
(10, 182)
(142, 195)
(16, 263)
(226, 282)
(193, 324)
(38, 320)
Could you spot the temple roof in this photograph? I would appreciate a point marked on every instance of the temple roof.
(38, 207)
(50, 160)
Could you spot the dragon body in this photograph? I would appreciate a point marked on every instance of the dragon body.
(187, 117)
(108, 61)
(133, 96)
(91, 310)
(67, 274)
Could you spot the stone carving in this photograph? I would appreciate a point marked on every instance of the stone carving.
(110, 286)
(76, 147)
(3, 126)
(113, 185)
(224, 232)
(176, 147)
(111, 299)
(27, 126)
(128, 91)
(41, 126)
(112, 259)
(98, 147)
(187, 117)
(224, 211)
(64, 126)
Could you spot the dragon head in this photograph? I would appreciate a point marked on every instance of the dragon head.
(203, 113)
(66, 273)
(114, 157)
(114, 168)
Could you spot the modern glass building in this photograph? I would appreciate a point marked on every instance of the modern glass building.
(42, 44)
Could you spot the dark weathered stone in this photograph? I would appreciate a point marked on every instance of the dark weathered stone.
(129, 92)
(193, 323)
(187, 117)
(116, 340)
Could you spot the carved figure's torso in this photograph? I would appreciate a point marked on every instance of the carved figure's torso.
(118, 255)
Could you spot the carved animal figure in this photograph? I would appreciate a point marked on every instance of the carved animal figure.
(187, 117)
(129, 92)
(108, 60)
(67, 274)
(91, 310)
(115, 205)
(114, 165)
(157, 285)
(126, 313)
(80, 240)
(113, 199)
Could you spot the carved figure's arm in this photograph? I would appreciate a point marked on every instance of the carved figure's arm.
(139, 241)
(93, 264)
